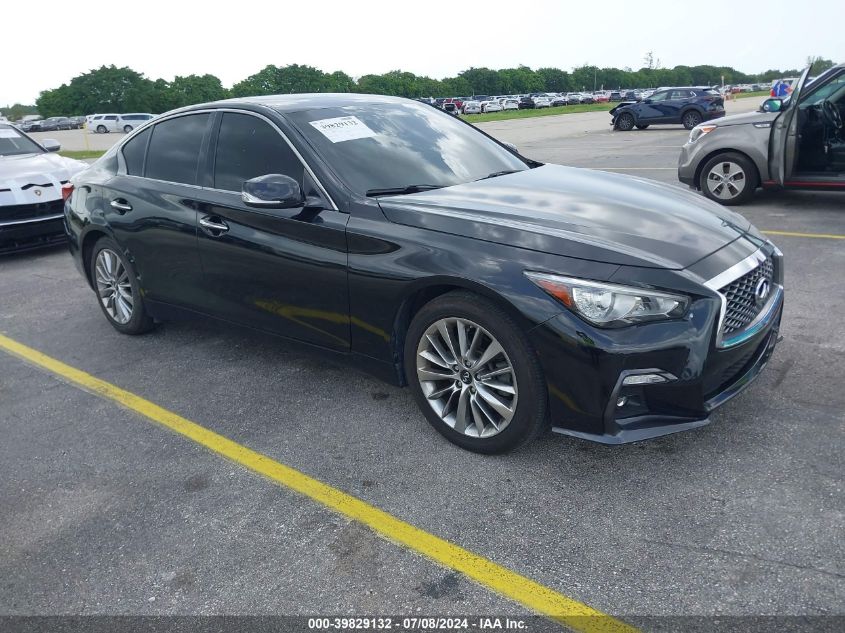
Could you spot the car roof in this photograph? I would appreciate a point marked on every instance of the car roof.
(306, 101)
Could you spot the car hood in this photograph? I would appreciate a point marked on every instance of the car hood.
(748, 117)
(579, 213)
(44, 171)
(28, 165)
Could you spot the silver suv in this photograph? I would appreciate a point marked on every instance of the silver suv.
(795, 143)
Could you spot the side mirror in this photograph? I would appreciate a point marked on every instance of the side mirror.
(771, 105)
(647, 100)
(51, 145)
(274, 191)
(511, 147)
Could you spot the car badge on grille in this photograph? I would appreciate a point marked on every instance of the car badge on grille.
(762, 290)
(37, 192)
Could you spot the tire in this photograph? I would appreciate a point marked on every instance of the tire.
(729, 178)
(101, 129)
(642, 126)
(625, 122)
(127, 129)
(485, 429)
(112, 271)
(691, 118)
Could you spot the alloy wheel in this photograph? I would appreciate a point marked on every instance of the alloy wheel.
(467, 377)
(625, 122)
(113, 286)
(726, 180)
(691, 120)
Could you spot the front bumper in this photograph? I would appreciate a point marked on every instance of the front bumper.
(585, 368)
(688, 162)
(42, 227)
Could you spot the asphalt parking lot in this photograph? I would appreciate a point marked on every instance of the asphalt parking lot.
(108, 513)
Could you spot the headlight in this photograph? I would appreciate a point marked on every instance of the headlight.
(610, 305)
(700, 130)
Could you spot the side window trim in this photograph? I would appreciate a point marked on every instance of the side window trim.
(205, 147)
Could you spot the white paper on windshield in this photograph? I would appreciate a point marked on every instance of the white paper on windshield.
(343, 128)
(7, 132)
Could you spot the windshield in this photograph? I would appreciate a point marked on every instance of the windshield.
(13, 142)
(386, 145)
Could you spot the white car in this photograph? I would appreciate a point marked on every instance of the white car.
(472, 107)
(542, 102)
(103, 123)
(32, 180)
(128, 122)
(510, 104)
(491, 106)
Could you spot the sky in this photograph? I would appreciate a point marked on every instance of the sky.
(233, 40)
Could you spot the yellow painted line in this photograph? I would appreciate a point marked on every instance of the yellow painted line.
(539, 598)
(818, 236)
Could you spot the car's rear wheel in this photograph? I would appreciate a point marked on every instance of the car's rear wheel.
(474, 375)
(101, 129)
(728, 178)
(625, 122)
(691, 119)
(127, 128)
(642, 126)
(116, 285)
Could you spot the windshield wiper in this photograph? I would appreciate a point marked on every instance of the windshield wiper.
(500, 173)
(398, 191)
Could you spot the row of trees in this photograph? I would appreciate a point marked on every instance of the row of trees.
(112, 89)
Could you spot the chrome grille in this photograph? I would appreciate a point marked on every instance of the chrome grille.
(740, 304)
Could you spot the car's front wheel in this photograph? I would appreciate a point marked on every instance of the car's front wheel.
(625, 122)
(474, 375)
(101, 129)
(116, 285)
(728, 178)
(691, 119)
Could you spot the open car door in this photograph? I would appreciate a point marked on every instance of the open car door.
(784, 138)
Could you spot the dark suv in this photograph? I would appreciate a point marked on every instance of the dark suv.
(689, 106)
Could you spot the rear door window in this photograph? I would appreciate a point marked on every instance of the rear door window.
(248, 147)
(174, 149)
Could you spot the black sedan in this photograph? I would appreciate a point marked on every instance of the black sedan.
(509, 295)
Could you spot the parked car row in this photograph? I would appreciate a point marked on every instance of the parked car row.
(52, 124)
(479, 104)
(98, 123)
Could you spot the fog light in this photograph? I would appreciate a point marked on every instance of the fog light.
(621, 402)
(647, 379)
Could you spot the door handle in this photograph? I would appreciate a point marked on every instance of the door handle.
(120, 205)
(214, 226)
